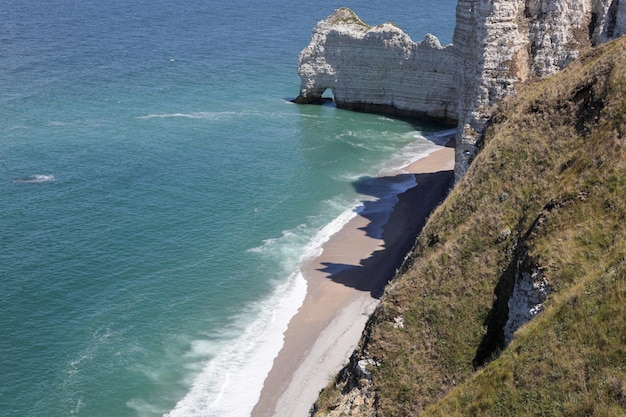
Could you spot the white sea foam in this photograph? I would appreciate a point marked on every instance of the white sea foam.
(195, 115)
(315, 245)
(303, 243)
(420, 147)
(76, 409)
(230, 383)
(75, 368)
(413, 152)
(215, 115)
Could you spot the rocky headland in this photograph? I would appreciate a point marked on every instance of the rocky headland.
(496, 46)
(378, 69)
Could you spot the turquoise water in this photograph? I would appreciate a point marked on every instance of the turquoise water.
(159, 191)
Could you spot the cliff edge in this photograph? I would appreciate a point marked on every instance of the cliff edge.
(536, 229)
(496, 46)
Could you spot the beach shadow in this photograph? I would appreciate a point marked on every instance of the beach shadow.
(450, 143)
(397, 228)
(378, 211)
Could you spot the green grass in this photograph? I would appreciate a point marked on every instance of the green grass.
(346, 16)
(547, 191)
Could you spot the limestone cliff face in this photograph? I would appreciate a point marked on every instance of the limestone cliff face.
(493, 57)
(503, 43)
(497, 44)
(379, 69)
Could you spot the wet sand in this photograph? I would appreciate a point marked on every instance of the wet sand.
(344, 284)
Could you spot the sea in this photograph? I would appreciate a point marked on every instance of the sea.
(159, 193)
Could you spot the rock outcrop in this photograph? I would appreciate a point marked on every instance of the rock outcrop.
(497, 44)
(526, 301)
(378, 69)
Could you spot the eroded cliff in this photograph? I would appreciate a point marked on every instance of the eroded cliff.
(503, 43)
(378, 69)
(496, 46)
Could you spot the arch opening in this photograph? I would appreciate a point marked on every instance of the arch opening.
(328, 95)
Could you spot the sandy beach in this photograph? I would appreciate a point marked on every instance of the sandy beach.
(345, 282)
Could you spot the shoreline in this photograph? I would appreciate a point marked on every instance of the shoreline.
(345, 282)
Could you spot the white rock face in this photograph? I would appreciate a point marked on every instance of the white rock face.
(488, 41)
(502, 43)
(529, 293)
(378, 68)
(497, 44)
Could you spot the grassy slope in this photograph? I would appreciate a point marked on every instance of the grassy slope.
(547, 192)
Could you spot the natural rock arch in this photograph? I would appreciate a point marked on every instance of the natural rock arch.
(378, 69)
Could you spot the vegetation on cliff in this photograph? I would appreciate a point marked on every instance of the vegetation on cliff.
(347, 16)
(546, 194)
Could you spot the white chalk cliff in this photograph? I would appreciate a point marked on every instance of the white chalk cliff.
(497, 44)
(378, 69)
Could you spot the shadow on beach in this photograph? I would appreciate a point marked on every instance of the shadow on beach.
(396, 225)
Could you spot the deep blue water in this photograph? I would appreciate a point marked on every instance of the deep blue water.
(158, 192)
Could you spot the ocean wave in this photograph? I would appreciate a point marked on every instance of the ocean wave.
(231, 382)
(303, 243)
(76, 369)
(35, 179)
(195, 115)
(221, 115)
(412, 152)
(232, 378)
